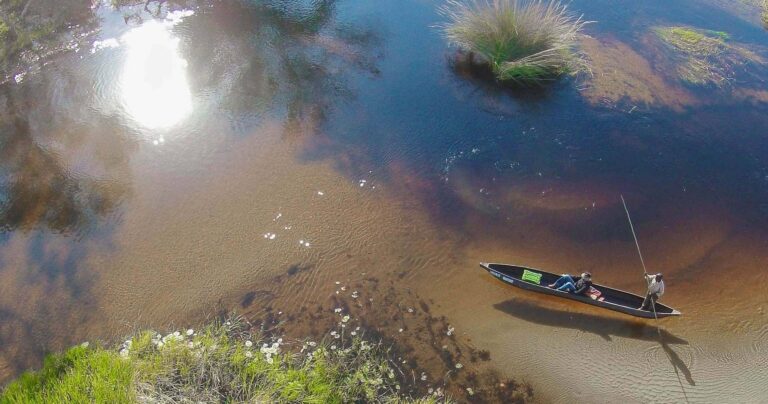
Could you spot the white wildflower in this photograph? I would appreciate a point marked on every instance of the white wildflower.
(270, 360)
(343, 288)
(459, 366)
(345, 319)
(423, 376)
(470, 391)
(338, 283)
(190, 331)
(84, 344)
(353, 333)
(450, 330)
(248, 343)
(248, 354)
(410, 310)
(312, 343)
(400, 330)
(124, 353)
(430, 391)
(176, 334)
(333, 347)
(279, 340)
(338, 310)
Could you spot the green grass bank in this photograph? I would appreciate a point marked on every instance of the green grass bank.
(223, 362)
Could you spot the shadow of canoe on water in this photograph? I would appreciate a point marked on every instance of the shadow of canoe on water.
(605, 327)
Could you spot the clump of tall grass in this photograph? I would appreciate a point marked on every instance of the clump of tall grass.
(221, 363)
(521, 40)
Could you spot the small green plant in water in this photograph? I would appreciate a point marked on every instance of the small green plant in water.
(764, 16)
(3, 30)
(704, 57)
(524, 41)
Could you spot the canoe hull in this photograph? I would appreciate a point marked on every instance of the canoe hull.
(615, 299)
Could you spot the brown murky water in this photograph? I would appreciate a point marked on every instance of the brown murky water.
(218, 158)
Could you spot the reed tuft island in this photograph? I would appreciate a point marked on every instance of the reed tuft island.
(521, 41)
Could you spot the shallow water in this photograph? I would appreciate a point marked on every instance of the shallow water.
(180, 165)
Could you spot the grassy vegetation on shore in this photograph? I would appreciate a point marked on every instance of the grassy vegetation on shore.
(221, 363)
(522, 41)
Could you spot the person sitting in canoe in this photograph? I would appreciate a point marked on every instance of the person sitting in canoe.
(566, 283)
(655, 290)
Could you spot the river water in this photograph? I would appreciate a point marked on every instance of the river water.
(181, 158)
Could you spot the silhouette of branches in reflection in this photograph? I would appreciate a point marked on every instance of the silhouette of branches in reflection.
(285, 58)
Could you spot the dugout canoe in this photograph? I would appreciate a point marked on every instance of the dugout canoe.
(610, 298)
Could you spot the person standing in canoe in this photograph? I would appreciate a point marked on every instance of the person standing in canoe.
(655, 290)
(578, 287)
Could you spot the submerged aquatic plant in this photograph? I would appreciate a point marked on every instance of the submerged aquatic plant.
(764, 16)
(704, 56)
(521, 40)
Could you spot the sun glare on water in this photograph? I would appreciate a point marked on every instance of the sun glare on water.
(154, 84)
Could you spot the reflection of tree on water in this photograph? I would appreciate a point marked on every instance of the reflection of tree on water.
(30, 29)
(284, 58)
(62, 174)
(38, 189)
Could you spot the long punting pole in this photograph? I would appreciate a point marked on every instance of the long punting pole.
(645, 272)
